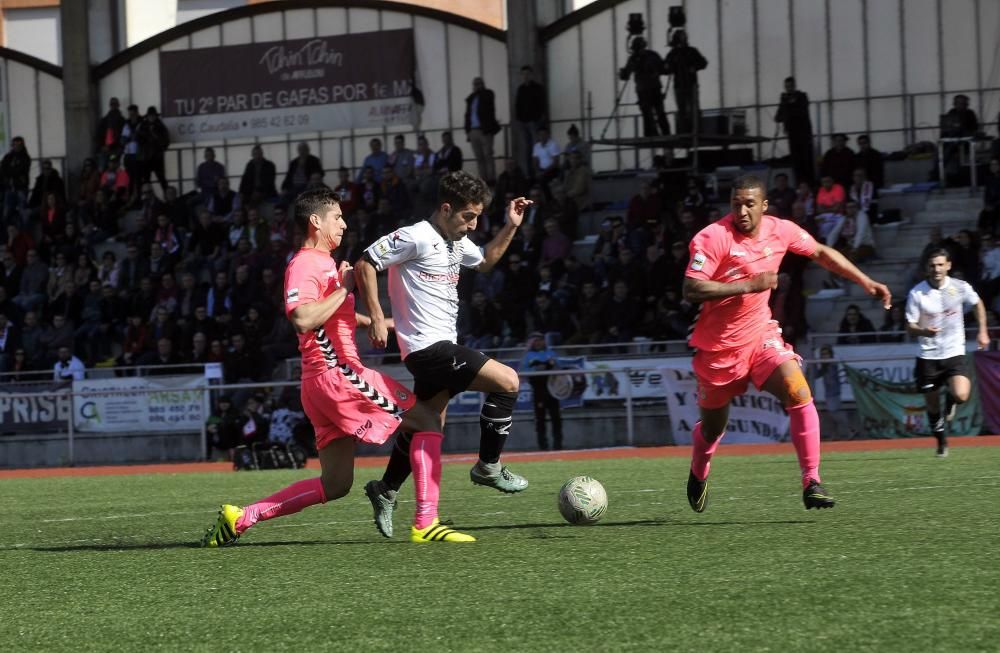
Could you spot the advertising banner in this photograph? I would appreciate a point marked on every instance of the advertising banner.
(568, 388)
(753, 417)
(45, 408)
(281, 87)
(897, 410)
(172, 404)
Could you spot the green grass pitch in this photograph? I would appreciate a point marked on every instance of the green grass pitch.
(909, 560)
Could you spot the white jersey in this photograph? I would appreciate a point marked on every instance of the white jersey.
(943, 308)
(423, 282)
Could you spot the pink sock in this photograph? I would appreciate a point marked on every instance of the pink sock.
(701, 452)
(425, 458)
(805, 436)
(288, 501)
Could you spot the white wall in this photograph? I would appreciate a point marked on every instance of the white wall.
(448, 57)
(837, 49)
(34, 106)
(146, 18)
(193, 9)
(35, 32)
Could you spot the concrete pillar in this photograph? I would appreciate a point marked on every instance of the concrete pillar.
(524, 46)
(78, 89)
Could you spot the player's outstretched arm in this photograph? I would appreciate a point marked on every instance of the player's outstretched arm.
(703, 290)
(837, 263)
(983, 337)
(496, 247)
(367, 280)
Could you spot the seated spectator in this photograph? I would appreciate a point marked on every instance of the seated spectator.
(208, 175)
(32, 292)
(223, 428)
(224, 201)
(164, 361)
(449, 157)
(803, 220)
(115, 179)
(870, 160)
(88, 182)
(694, 198)
(88, 335)
(376, 160)
(33, 341)
(401, 160)
(838, 162)
(545, 158)
(804, 194)
(862, 191)
(9, 342)
(855, 328)
(285, 421)
(576, 144)
(48, 182)
(589, 321)
(893, 327)
(855, 238)
(370, 190)
(577, 182)
(555, 246)
(393, 190)
(68, 367)
(347, 190)
(550, 318)
(300, 169)
(830, 201)
(623, 311)
(644, 207)
(254, 426)
(781, 198)
(480, 323)
(511, 182)
(258, 181)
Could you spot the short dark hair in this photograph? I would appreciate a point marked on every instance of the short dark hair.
(936, 252)
(312, 201)
(749, 182)
(459, 188)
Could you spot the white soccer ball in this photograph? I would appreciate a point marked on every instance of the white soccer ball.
(582, 501)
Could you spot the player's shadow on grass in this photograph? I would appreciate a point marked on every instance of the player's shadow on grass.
(162, 546)
(603, 524)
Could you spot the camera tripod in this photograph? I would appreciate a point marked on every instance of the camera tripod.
(618, 100)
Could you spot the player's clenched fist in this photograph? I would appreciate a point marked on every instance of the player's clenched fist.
(763, 281)
(346, 274)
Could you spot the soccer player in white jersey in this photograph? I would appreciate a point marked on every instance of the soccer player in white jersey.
(935, 311)
(424, 261)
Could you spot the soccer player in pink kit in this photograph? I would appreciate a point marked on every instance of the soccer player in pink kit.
(345, 401)
(733, 268)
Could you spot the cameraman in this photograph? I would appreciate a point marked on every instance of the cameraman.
(684, 62)
(647, 66)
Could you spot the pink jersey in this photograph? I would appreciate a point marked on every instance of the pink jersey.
(721, 253)
(312, 275)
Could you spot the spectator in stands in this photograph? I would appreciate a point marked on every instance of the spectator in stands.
(449, 158)
(19, 243)
(555, 246)
(838, 162)
(153, 142)
(511, 182)
(893, 327)
(243, 366)
(15, 168)
(348, 191)
(862, 191)
(33, 340)
(960, 121)
(964, 256)
(643, 207)
(855, 328)
(48, 182)
(370, 192)
(781, 197)
(401, 160)
(393, 190)
(9, 342)
(109, 129)
(694, 198)
(33, 283)
(529, 112)
(115, 179)
(989, 254)
(131, 156)
(575, 144)
(208, 175)
(137, 340)
(9, 308)
(830, 203)
(376, 160)
(990, 216)
(538, 212)
(163, 361)
(59, 271)
(224, 201)
(68, 367)
(479, 323)
(481, 126)
(88, 182)
(578, 181)
(870, 160)
(88, 334)
(258, 181)
(793, 113)
(804, 194)
(218, 299)
(300, 169)
(589, 320)
(623, 313)
(550, 318)
(855, 238)
(545, 158)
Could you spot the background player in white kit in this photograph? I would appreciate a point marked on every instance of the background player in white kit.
(424, 261)
(935, 311)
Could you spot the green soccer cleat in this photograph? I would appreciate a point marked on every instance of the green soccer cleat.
(503, 479)
(383, 504)
(814, 496)
(437, 532)
(224, 532)
(697, 493)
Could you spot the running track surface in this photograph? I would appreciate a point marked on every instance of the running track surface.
(585, 454)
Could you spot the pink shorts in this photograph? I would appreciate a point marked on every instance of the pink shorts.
(363, 404)
(725, 374)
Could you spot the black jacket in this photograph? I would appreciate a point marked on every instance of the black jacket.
(251, 182)
(486, 112)
(529, 106)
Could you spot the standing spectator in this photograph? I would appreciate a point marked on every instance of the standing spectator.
(153, 142)
(793, 113)
(376, 160)
(545, 159)
(15, 168)
(424, 170)
(541, 358)
(257, 182)
(300, 169)
(49, 182)
(529, 112)
(109, 130)
(647, 66)
(68, 367)
(401, 159)
(208, 175)
(131, 158)
(481, 126)
(683, 62)
(855, 328)
(838, 162)
(871, 161)
(781, 197)
(577, 181)
(449, 157)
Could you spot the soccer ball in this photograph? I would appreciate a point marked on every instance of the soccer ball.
(582, 501)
